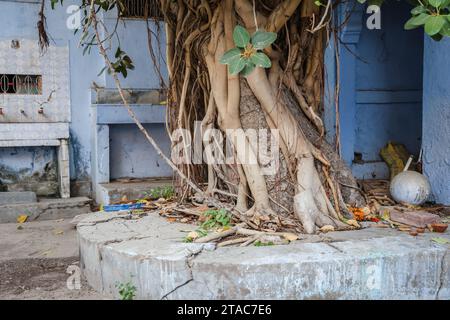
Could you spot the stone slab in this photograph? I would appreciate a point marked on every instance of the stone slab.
(419, 219)
(368, 264)
(46, 209)
(14, 197)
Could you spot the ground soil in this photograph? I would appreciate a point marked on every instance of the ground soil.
(34, 259)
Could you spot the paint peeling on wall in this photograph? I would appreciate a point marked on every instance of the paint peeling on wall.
(79, 168)
(29, 169)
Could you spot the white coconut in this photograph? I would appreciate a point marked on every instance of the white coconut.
(410, 187)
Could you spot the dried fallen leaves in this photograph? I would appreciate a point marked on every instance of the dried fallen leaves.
(441, 240)
(327, 228)
(193, 235)
(353, 223)
(22, 218)
(290, 236)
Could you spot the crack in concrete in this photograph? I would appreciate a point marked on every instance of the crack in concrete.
(108, 242)
(100, 257)
(441, 276)
(164, 297)
(334, 247)
(126, 217)
(189, 260)
(38, 215)
(94, 223)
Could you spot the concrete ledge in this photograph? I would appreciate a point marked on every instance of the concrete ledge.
(113, 114)
(367, 264)
(370, 170)
(17, 197)
(108, 193)
(45, 209)
(143, 96)
(29, 131)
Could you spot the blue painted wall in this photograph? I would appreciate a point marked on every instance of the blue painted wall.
(380, 91)
(25, 169)
(132, 156)
(18, 20)
(389, 84)
(436, 118)
(381, 82)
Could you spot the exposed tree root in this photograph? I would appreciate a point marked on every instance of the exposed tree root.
(287, 98)
(203, 30)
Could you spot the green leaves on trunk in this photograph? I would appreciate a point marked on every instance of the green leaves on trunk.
(259, 59)
(241, 37)
(237, 66)
(247, 55)
(262, 40)
(230, 56)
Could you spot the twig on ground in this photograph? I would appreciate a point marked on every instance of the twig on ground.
(219, 235)
(249, 241)
(233, 241)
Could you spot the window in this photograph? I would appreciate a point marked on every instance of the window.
(141, 9)
(20, 84)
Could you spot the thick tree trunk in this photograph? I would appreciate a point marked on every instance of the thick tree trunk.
(306, 192)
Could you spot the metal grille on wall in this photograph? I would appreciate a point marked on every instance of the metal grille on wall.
(141, 9)
(20, 84)
(34, 88)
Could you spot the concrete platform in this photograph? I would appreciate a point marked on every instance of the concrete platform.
(17, 197)
(367, 264)
(45, 209)
(108, 193)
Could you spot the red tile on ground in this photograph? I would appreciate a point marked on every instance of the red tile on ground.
(418, 219)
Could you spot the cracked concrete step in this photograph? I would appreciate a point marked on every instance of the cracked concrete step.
(45, 209)
(368, 264)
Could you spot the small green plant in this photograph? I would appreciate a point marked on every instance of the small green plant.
(263, 244)
(215, 219)
(127, 291)
(248, 52)
(188, 239)
(161, 192)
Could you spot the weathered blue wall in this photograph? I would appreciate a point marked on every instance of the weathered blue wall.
(381, 82)
(18, 20)
(29, 169)
(389, 84)
(132, 156)
(436, 118)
